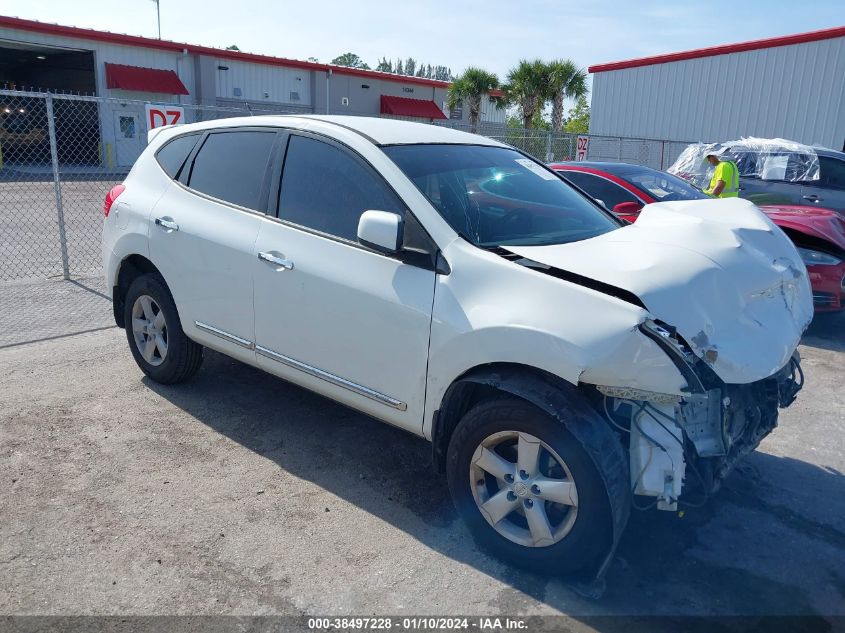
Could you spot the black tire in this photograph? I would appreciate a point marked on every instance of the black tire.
(590, 537)
(183, 357)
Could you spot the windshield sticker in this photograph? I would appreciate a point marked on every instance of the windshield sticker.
(531, 166)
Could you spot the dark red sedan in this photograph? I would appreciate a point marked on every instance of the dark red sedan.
(818, 233)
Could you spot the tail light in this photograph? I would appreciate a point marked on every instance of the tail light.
(111, 196)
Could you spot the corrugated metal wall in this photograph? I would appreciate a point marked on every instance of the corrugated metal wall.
(116, 54)
(263, 83)
(795, 92)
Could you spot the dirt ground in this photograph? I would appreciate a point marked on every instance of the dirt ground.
(241, 494)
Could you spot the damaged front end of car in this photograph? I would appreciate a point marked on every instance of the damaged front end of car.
(727, 301)
(683, 446)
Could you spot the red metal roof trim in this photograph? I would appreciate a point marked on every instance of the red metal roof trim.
(144, 79)
(146, 42)
(402, 106)
(754, 45)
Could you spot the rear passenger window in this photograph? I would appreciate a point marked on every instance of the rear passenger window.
(327, 189)
(231, 166)
(172, 156)
(609, 193)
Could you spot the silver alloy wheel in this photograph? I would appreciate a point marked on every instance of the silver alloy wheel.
(523, 489)
(150, 330)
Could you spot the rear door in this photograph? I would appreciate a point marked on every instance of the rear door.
(203, 231)
(330, 314)
(774, 178)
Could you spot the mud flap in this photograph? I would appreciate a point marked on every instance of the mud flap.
(563, 402)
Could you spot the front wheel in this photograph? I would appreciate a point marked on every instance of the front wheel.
(527, 488)
(155, 335)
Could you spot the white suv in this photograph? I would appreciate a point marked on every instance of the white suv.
(564, 365)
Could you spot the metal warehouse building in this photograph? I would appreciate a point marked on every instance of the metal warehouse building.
(791, 87)
(50, 58)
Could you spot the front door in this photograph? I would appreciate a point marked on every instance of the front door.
(829, 190)
(330, 314)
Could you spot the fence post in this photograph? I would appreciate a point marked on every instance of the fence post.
(549, 156)
(57, 185)
(619, 151)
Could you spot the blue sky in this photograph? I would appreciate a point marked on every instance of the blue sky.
(492, 34)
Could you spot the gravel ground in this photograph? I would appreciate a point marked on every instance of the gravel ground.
(239, 493)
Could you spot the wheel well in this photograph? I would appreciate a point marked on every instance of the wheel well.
(564, 402)
(130, 269)
(480, 384)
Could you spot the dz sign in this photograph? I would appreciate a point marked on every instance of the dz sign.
(583, 147)
(160, 115)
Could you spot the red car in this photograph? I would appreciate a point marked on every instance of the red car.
(818, 233)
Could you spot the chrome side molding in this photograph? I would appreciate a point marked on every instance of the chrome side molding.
(331, 378)
(226, 336)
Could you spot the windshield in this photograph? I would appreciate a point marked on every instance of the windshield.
(495, 196)
(664, 187)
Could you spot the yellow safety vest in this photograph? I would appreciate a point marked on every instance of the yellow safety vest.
(727, 171)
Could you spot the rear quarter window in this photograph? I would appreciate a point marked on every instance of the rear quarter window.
(173, 154)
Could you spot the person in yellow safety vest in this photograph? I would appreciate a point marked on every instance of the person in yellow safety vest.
(725, 180)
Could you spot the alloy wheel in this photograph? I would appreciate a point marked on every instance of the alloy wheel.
(149, 328)
(523, 489)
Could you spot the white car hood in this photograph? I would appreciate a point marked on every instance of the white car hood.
(720, 271)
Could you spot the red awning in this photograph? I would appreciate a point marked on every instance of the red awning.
(144, 79)
(402, 106)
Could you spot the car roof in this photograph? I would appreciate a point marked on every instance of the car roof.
(377, 130)
(610, 168)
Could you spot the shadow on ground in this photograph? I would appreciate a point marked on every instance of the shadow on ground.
(827, 331)
(666, 565)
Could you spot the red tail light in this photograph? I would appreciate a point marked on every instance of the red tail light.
(111, 196)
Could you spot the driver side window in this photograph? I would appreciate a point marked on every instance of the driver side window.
(326, 188)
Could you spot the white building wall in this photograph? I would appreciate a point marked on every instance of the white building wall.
(795, 92)
(117, 54)
(263, 82)
(490, 113)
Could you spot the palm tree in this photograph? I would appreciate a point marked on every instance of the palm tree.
(470, 89)
(528, 87)
(565, 81)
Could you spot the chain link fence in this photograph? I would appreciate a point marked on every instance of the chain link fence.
(548, 146)
(60, 154)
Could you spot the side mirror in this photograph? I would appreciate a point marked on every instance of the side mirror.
(381, 230)
(627, 210)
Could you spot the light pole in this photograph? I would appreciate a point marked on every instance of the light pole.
(158, 17)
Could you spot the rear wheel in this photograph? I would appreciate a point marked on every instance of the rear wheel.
(155, 335)
(527, 488)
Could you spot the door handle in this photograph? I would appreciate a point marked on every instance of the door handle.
(812, 198)
(164, 223)
(285, 264)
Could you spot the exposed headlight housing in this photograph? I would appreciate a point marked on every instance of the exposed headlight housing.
(813, 257)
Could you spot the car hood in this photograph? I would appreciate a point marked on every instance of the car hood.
(719, 271)
(825, 224)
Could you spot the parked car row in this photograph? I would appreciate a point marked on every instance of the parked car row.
(818, 233)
